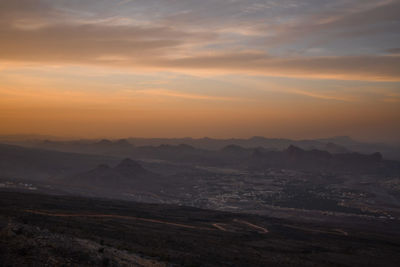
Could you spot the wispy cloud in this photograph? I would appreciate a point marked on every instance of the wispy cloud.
(176, 94)
(181, 41)
(392, 98)
(325, 96)
(393, 50)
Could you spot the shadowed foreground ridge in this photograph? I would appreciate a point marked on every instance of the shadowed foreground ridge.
(39, 229)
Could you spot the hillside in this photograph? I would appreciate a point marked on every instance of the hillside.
(103, 231)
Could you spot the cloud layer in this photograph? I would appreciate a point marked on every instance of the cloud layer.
(185, 38)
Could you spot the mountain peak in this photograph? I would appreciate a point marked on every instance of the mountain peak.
(103, 167)
(129, 167)
(232, 148)
(294, 149)
(377, 156)
(334, 148)
(128, 163)
(122, 142)
(257, 138)
(104, 142)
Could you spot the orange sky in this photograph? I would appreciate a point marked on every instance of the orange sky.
(143, 68)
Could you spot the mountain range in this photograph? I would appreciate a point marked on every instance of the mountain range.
(123, 147)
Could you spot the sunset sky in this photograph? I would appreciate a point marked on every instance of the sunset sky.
(217, 68)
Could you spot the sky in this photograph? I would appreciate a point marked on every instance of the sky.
(219, 68)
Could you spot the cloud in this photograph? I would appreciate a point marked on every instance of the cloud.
(393, 50)
(176, 94)
(351, 20)
(83, 42)
(392, 98)
(381, 68)
(47, 34)
(159, 49)
(324, 96)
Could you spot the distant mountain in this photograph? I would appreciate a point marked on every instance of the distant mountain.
(180, 153)
(318, 160)
(126, 176)
(389, 151)
(233, 149)
(132, 147)
(106, 147)
(335, 149)
(34, 164)
(343, 140)
(340, 144)
(129, 167)
(30, 137)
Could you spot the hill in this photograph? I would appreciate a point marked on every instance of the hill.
(127, 176)
(42, 164)
(39, 230)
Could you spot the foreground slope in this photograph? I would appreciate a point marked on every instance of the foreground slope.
(182, 235)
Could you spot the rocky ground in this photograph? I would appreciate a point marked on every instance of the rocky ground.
(26, 245)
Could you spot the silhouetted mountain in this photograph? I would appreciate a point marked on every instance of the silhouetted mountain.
(105, 147)
(233, 149)
(101, 177)
(181, 152)
(178, 148)
(104, 142)
(335, 149)
(129, 168)
(31, 163)
(126, 176)
(124, 147)
(317, 160)
(123, 142)
(298, 154)
(342, 140)
(340, 144)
